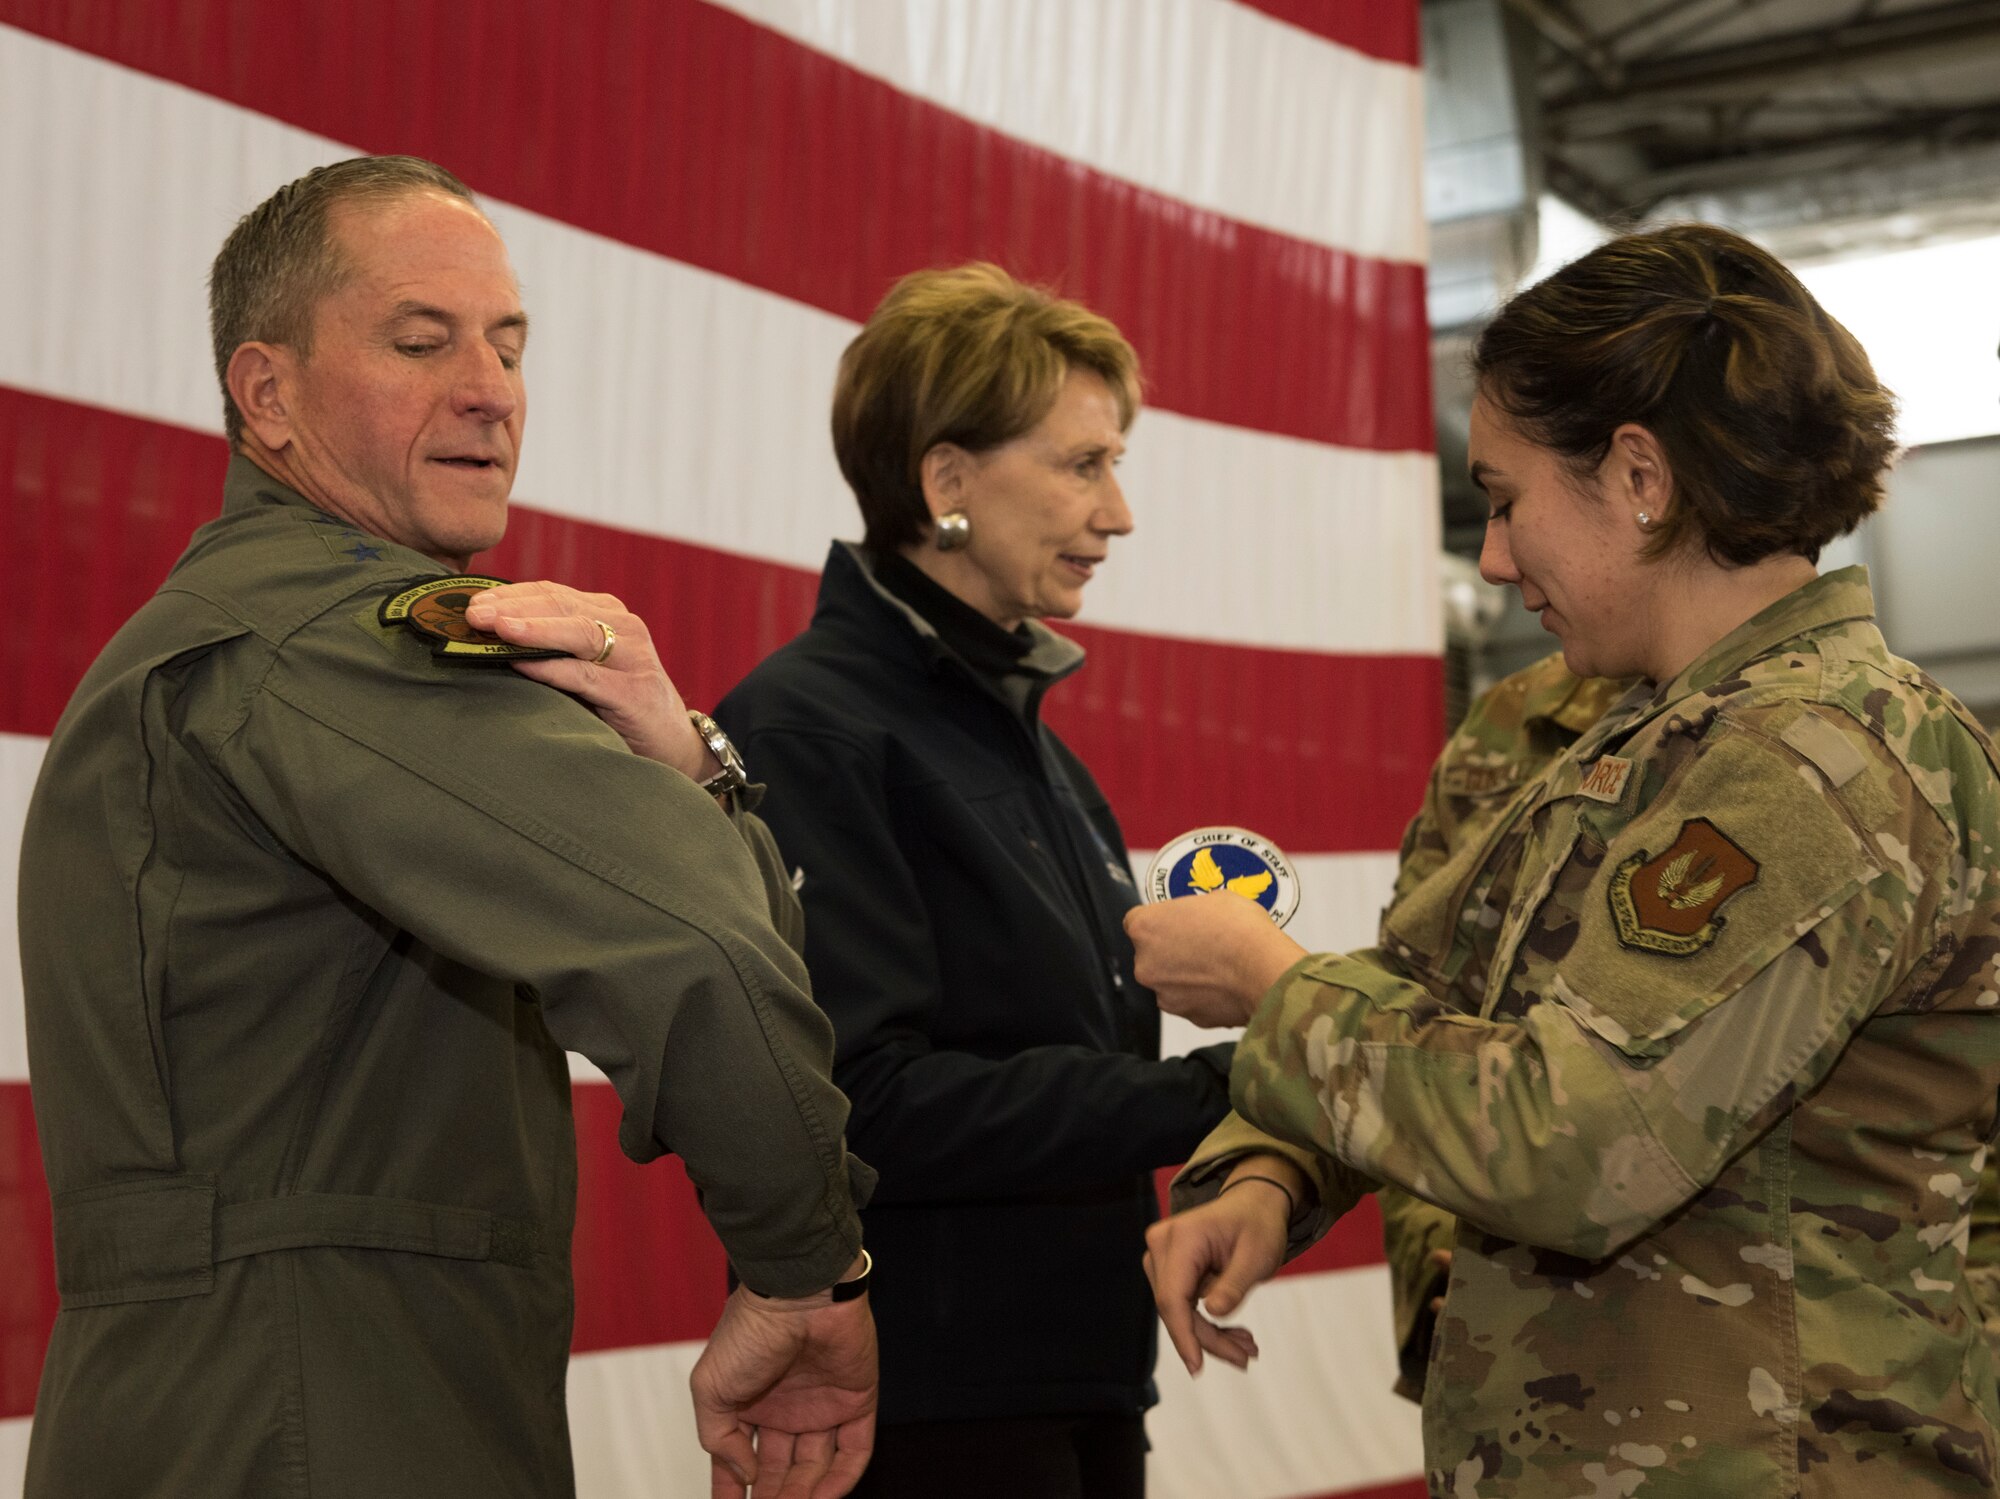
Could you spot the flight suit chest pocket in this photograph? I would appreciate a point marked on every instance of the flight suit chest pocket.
(1677, 911)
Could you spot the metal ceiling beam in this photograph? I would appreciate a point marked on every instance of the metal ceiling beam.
(1571, 38)
(1942, 32)
(1770, 159)
(1588, 192)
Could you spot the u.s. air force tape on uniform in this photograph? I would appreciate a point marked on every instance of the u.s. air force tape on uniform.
(434, 609)
(1232, 859)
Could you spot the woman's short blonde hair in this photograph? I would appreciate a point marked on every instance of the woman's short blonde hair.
(967, 356)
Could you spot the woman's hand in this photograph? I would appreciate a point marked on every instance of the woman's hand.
(1209, 958)
(630, 689)
(1210, 1257)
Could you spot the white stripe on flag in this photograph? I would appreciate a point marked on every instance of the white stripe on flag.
(629, 1415)
(1267, 1434)
(713, 433)
(13, 1455)
(1186, 97)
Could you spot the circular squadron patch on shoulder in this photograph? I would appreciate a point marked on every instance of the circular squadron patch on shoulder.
(1232, 859)
(434, 608)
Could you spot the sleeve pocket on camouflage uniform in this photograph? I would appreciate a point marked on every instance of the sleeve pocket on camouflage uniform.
(1702, 892)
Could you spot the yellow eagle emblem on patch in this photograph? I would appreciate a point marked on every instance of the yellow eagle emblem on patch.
(1206, 875)
(1677, 883)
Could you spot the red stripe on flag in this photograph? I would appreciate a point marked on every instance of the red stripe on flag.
(1405, 1488)
(27, 1255)
(1380, 28)
(723, 145)
(1323, 753)
(648, 1267)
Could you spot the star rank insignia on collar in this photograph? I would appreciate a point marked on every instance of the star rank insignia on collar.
(434, 609)
(1667, 903)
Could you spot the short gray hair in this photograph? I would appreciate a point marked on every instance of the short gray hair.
(281, 259)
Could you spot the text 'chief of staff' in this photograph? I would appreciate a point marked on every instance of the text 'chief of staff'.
(309, 915)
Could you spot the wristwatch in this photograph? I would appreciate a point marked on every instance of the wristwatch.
(855, 1289)
(732, 776)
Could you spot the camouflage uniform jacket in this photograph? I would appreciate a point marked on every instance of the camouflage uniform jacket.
(1698, 1041)
(1515, 729)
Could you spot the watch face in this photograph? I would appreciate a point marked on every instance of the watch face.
(731, 775)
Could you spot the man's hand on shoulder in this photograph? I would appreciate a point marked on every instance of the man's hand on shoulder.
(613, 665)
(784, 1396)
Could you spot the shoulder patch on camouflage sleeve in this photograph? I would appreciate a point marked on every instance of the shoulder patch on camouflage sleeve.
(1668, 902)
(434, 610)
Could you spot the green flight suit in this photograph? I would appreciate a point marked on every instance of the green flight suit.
(308, 919)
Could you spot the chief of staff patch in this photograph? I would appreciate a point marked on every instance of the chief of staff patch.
(434, 609)
(1232, 859)
(1667, 902)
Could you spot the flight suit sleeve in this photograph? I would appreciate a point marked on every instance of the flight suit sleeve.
(507, 828)
(781, 899)
(1656, 1048)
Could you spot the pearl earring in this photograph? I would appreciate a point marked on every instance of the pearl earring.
(1645, 521)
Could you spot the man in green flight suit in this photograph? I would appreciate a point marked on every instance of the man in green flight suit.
(311, 909)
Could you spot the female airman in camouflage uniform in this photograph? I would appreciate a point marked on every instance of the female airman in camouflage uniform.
(1698, 1037)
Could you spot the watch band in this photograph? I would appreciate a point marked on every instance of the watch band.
(732, 776)
(853, 1290)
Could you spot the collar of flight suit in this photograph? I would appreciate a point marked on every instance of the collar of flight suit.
(246, 485)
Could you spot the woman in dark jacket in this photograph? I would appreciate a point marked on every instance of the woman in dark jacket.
(964, 884)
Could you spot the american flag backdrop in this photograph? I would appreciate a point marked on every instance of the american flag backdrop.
(703, 198)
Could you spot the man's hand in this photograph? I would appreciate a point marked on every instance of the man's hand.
(1209, 958)
(630, 689)
(1209, 1258)
(784, 1396)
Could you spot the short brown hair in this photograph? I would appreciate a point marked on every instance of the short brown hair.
(1769, 411)
(281, 259)
(967, 356)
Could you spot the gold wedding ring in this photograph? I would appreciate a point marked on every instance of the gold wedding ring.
(610, 640)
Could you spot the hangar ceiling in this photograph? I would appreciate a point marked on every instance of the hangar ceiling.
(1821, 125)
(1822, 128)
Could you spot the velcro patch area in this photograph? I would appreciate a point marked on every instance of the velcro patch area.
(433, 609)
